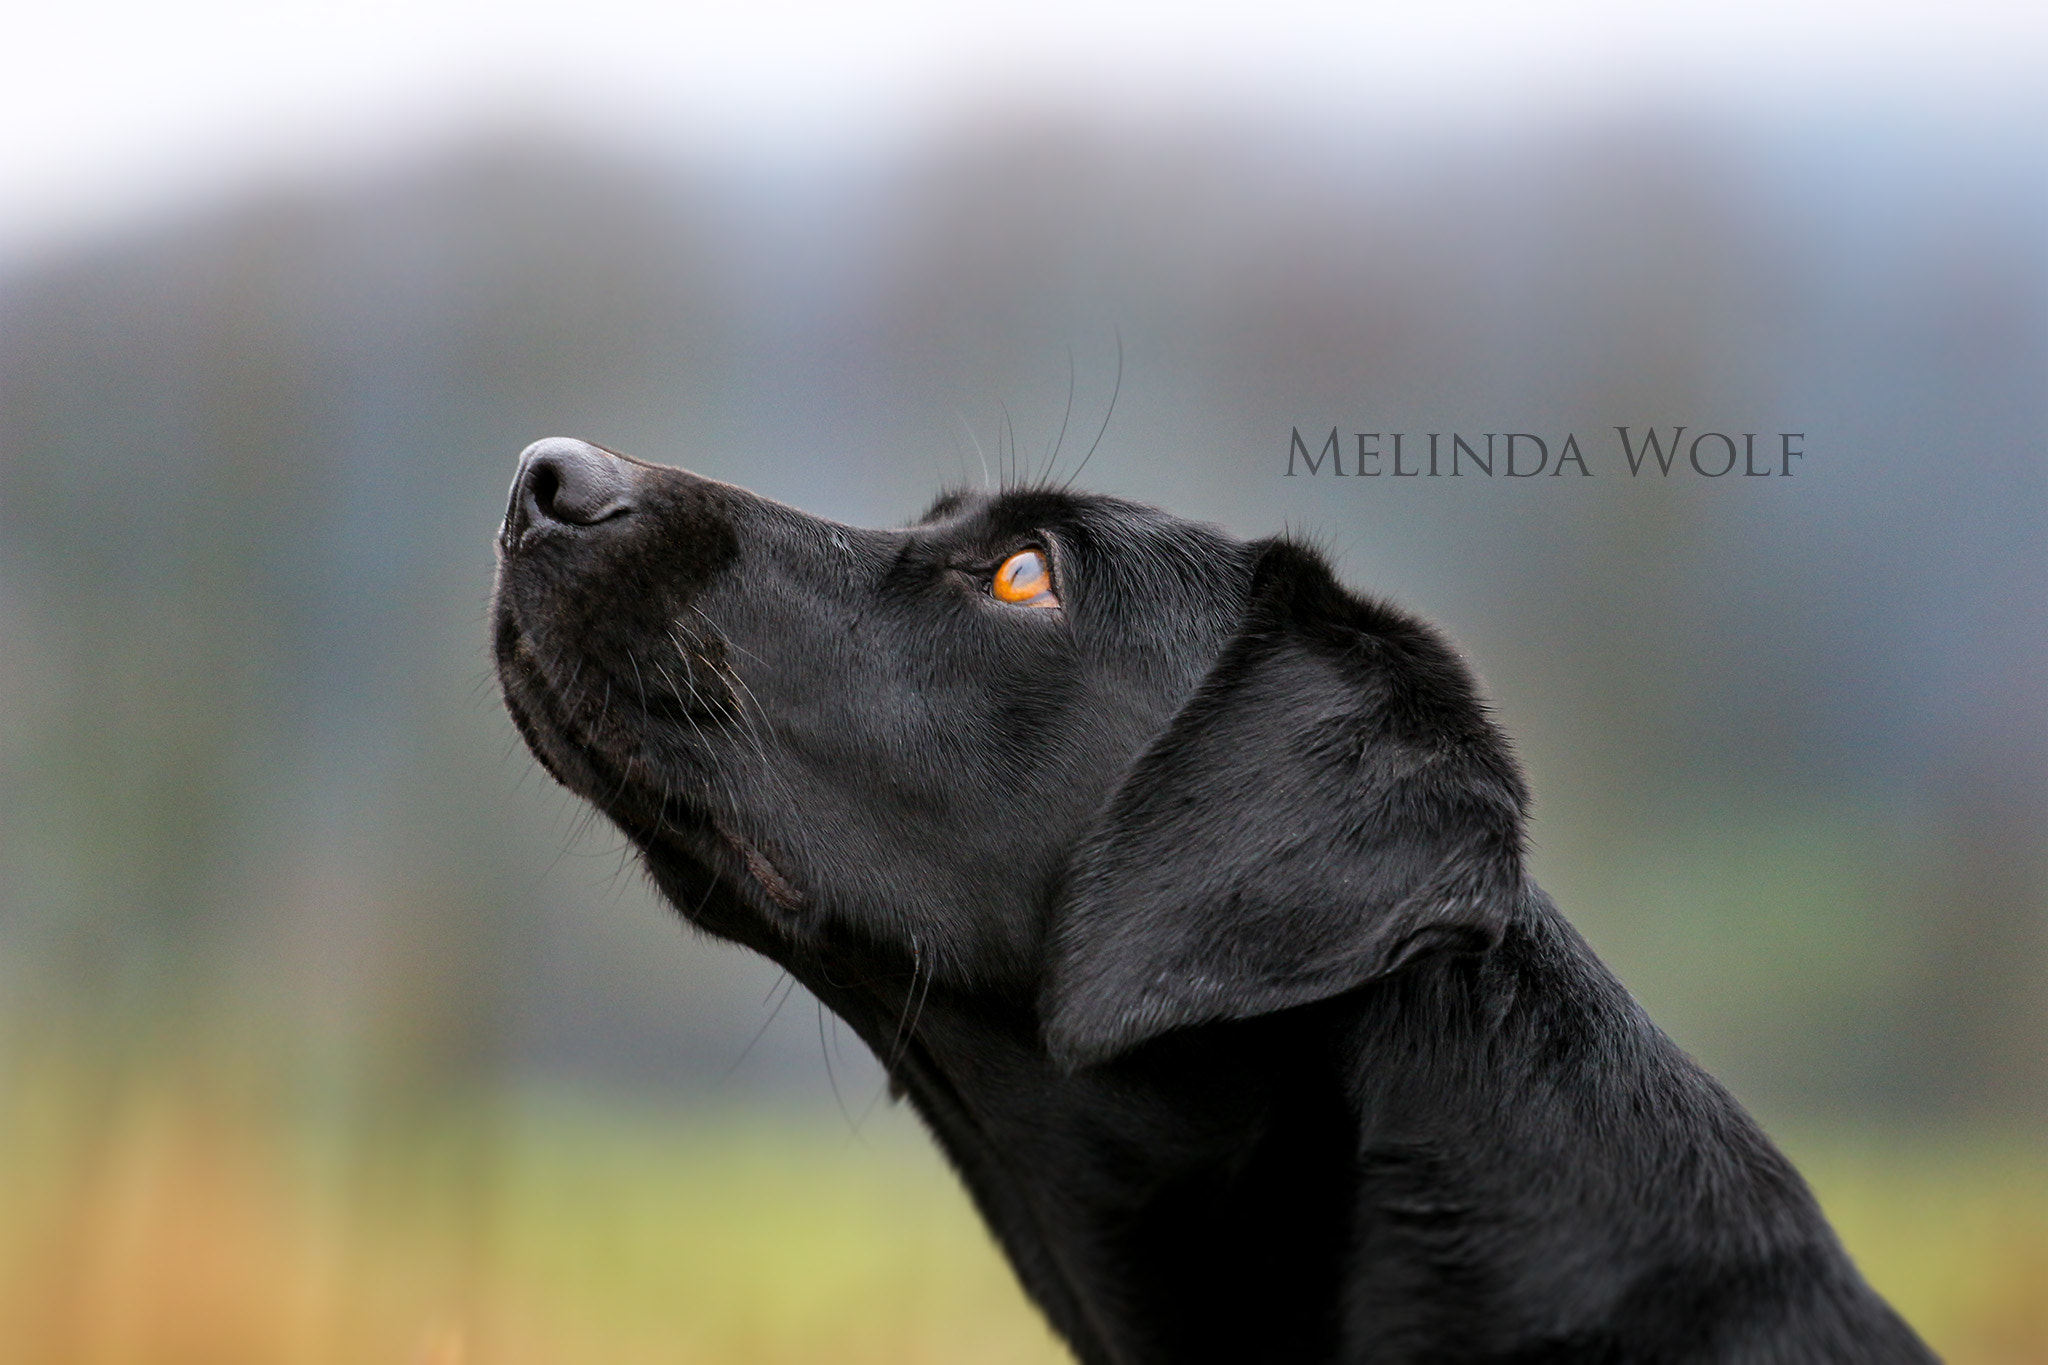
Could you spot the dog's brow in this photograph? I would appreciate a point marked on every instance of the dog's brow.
(948, 502)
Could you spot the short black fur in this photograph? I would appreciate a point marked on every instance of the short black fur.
(1191, 916)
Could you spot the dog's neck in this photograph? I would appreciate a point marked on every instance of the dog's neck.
(1115, 1189)
(1253, 1170)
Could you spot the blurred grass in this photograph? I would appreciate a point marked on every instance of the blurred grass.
(1952, 1228)
(197, 1219)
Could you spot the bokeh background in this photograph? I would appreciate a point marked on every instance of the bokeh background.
(331, 1032)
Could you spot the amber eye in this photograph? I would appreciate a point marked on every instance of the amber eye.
(1023, 580)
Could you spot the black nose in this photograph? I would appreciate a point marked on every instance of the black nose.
(563, 482)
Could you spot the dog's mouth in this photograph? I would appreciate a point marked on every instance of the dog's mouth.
(565, 715)
(765, 873)
(577, 724)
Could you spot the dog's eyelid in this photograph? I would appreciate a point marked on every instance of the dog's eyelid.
(989, 554)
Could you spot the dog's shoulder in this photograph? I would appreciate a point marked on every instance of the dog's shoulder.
(1536, 1155)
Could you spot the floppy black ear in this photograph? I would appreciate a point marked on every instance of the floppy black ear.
(1332, 801)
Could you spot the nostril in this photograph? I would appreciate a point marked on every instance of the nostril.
(564, 482)
(542, 485)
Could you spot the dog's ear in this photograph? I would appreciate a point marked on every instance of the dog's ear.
(1332, 801)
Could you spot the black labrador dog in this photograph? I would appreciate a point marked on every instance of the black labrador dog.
(1182, 892)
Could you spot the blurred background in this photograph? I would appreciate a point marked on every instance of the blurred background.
(331, 1031)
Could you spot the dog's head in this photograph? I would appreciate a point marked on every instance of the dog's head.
(1052, 748)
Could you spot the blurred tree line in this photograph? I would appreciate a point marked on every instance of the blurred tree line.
(1787, 737)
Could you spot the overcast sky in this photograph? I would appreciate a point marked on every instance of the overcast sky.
(121, 106)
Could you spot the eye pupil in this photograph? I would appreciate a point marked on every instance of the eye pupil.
(1023, 580)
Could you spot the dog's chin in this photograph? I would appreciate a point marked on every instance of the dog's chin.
(668, 826)
(575, 752)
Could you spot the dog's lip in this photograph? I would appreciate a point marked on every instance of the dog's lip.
(764, 872)
(535, 699)
(564, 743)
(567, 749)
